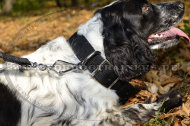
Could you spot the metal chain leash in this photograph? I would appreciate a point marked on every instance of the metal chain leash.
(44, 67)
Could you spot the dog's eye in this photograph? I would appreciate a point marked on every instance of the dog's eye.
(145, 9)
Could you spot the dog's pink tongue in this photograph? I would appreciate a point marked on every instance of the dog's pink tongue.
(180, 33)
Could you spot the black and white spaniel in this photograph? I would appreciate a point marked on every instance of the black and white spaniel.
(125, 34)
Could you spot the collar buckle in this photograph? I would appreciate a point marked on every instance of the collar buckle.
(99, 69)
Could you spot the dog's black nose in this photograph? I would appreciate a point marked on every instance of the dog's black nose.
(181, 4)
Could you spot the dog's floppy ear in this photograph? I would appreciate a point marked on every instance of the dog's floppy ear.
(130, 55)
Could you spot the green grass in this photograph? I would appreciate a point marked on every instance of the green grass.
(156, 121)
(23, 6)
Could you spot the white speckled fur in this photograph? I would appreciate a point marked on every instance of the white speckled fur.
(50, 91)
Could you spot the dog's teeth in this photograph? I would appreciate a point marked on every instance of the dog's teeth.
(161, 35)
(156, 35)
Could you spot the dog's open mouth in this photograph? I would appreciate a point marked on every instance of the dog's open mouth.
(167, 39)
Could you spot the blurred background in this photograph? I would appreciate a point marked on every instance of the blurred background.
(64, 16)
(25, 25)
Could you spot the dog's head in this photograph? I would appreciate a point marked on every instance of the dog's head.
(130, 30)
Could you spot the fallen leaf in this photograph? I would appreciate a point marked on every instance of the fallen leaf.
(139, 82)
(185, 53)
(183, 112)
(140, 97)
(152, 75)
(177, 123)
(171, 80)
(165, 89)
(186, 110)
(186, 122)
(153, 88)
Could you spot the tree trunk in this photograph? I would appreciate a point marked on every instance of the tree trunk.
(59, 4)
(86, 1)
(74, 2)
(8, 6)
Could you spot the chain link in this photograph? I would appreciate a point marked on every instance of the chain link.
(44, 67)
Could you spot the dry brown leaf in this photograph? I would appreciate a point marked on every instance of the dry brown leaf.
(185, 53)
(184, 66)
(140, 97)
(183, 112)
(177, 123)
(138, 125)
(162, 79)
(186, 110)
(171, 80)
(152, 75)
(186, 122)
(154, 97)
(165, 89)
(153, 88)
(137, 82)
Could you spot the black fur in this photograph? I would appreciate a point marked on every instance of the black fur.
(10, 107)
(126, 28)
(170, 100)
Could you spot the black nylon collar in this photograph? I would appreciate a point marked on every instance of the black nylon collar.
(101, 70)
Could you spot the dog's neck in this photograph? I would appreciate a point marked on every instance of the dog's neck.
(92, 31)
